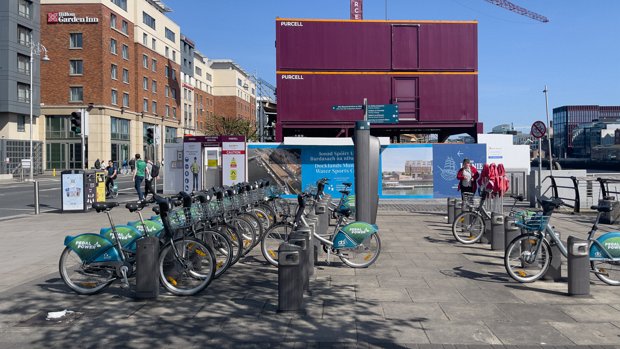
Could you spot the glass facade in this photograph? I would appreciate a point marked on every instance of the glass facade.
(62, 146)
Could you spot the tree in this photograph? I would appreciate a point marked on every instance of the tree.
(231, 126)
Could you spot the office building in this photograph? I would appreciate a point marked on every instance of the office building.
(233, 90)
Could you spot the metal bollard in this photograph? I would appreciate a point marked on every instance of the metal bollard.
(511, 229)
(451, 216)
(497, 231)
(147, 273)
(37, 208)
(578, 267)
(290, 278)
(299, 238)
(554, 273)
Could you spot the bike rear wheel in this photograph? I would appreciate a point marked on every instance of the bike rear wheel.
(270, 243)
(186, 266)
(468, 227)
(607, 271)
(526, 260)
(235, 238)
(81, 277)
(221, 246)
(246, 230)
(364, 255)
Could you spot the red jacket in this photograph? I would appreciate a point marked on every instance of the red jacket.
(474, 177)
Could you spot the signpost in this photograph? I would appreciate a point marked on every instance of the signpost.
(374, 113)
(539, 129)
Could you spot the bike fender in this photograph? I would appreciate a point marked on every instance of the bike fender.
(358, 232)
(611, 242)
(153, 228)
(127, 235)
(92, 248)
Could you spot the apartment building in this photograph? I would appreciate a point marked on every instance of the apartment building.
(19, 36)
(204, 100)
(233, 90)
(118, 60)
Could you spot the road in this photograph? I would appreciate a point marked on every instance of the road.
(17, 198)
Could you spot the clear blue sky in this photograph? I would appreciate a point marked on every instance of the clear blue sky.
(577, 54)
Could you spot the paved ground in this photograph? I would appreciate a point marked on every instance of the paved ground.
(425, 291)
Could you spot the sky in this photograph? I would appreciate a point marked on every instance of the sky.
(576, 54)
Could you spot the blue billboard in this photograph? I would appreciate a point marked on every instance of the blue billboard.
(333, 162)
(447, 160)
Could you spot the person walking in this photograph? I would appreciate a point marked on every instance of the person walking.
(138, 176)
(467, 176)
(97, 164)
(148, 180)
(195, 170)
(132, 165)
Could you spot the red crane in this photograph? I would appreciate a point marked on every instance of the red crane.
(518, 9)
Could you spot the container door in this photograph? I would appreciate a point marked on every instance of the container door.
(405, 47)
(405, 94)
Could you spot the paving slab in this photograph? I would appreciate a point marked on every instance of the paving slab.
(592, 312)
(465, 311)
(516, 334)
(461, 333)
(534, 313)
(393, 331)
(383, 295)
(421, 295)
(589, 333)
(413, 311)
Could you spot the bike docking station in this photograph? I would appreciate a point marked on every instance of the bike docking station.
(578, 267)
(147, 272)
(290, 278)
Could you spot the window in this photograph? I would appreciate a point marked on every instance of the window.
(76, 67)
(113, 46)
(125, 99)
(75, 40)
(170, 35)
(174, 112)
(21, 123)
(23, 92)
(114, 71)
(145, 39)
(174, 55)
(167, 51)
(167, 91)
(145, 105)
(120, 3)
(239, 82)
(167, 71)
(76, 94)
(174, 74)
(119, 129)
(209, 77)
(198, 71)
(24, 8)
(113, 21)
(125, 52)
(145, 61)
(154, 107)
(154, 44)
(145, 83)
(126, 76)
(23, 64)
(114, 97)
(24, 35)
(167, 110)
(154, 65)
(174, 93)
(154, 86)
(125, 27)
(148, 20)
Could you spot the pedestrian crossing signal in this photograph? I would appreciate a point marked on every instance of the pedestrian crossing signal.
(76, 122)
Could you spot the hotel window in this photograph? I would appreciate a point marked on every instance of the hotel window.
(174, 93)
(23, 92)
(114, 71)
(113, 46)
(167, 51)
(174, 112)
(154, 86)
(148, 20)
(153, 44)
(170, 35)
(23, 64)
(24, 8)
(125, 99)
(167, 91)
(76, 67)
(24, 35)
(76, 94)
(174, 74)
(21, 123)
(124, 27)
(154, 65)
(154, 107)
(145, 61)
(167, 71)
(198, 71)
(120, 3)
(167, 110)
(126, 76)
(145, 83)
(174, 55)
(239, 82)
(145, 39)
(125, 52)
(75, 40)
(114, 97)
(113, 21)
(145, 105)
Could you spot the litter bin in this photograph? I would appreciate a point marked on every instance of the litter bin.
(290, 278)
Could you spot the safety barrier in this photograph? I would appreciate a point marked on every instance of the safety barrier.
(574, 185)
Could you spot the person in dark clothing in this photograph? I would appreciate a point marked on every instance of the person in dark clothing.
(109, 181)
(132, 165)
(148, 179)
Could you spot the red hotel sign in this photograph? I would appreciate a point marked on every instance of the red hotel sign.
(357, 9)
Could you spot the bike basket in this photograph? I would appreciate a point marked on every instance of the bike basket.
(181, 218)
(213, 209)
(533, 223)
(228, 204)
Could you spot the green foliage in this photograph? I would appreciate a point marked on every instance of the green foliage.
(232, 126)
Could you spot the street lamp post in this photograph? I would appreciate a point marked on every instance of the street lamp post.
(35, 49)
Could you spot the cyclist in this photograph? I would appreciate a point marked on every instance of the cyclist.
(109, 182)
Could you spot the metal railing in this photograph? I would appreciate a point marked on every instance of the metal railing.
(574, 187)
(605, 190)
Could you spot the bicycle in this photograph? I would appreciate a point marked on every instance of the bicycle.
(528, 256)
(112, 190)
(92, 262)
(469, 226)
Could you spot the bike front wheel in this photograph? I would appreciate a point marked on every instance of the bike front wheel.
(468, 227)
(270, 243)
(82, 277)
(364, 255)
(221, 246)
(607, 271)
(527, 258)
(186, 266)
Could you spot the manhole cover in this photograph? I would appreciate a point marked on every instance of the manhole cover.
(40, 320)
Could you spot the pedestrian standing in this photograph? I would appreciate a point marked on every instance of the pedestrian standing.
(97, 164)
(132, 165)
(148, 179)
(467, 176)
(138, 176)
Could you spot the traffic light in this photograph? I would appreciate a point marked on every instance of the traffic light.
(150, 135)
(76, 122)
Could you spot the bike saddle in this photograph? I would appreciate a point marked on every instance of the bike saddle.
(104, 206)
(133, 207)
(202, 197)
(156, 209)
(549, 204)
(602, 208)
(517, 197)
(347, 184)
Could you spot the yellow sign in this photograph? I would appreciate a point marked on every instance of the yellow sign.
(211, 163)
(100, 190)
(233, 175)
(233, 163)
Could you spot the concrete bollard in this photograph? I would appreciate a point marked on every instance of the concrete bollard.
(451, 215)
(300, 238)
(147, 268)
(578, 267)
(512, 231)
(290, 278)
(458, 208)
(487, 235)
(554, 273)
(497, 231)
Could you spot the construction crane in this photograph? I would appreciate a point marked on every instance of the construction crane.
(518, 9)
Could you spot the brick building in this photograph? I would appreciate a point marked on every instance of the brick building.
(234, 91)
